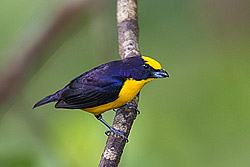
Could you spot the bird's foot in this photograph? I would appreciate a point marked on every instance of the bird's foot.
(118, 132)
(130, 106)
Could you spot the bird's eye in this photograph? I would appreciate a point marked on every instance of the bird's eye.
(146, 66)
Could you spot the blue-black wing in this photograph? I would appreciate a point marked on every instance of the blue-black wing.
(92, 89)
(88, 96)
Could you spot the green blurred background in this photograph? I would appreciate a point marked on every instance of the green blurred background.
(199, 117)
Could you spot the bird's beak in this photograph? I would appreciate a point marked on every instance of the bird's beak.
(160, 74)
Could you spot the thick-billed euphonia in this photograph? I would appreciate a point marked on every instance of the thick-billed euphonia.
(108, 86)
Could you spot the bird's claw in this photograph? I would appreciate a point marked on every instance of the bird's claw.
(107, 132)
(137, 111)
(132, 106)
(118, 132)
(129, 106)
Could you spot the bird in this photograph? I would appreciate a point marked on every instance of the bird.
(109, 86)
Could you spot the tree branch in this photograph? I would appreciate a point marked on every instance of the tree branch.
(128, 34)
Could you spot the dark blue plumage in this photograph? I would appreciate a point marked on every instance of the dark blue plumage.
(100, 85)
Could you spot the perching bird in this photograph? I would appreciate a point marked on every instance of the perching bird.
(108, 86)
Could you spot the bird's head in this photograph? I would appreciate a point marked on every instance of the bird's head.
(144, 68)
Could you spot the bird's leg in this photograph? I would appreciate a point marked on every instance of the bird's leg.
(111, 129)
(130, 106)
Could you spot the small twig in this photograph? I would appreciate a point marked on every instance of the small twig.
(128, 33)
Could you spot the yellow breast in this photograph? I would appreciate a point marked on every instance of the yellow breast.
(129, 90)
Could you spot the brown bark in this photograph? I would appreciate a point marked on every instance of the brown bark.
(128, 34)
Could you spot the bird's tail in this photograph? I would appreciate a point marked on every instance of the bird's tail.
(48, 99)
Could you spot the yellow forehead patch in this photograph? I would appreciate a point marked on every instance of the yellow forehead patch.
(153, 63)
